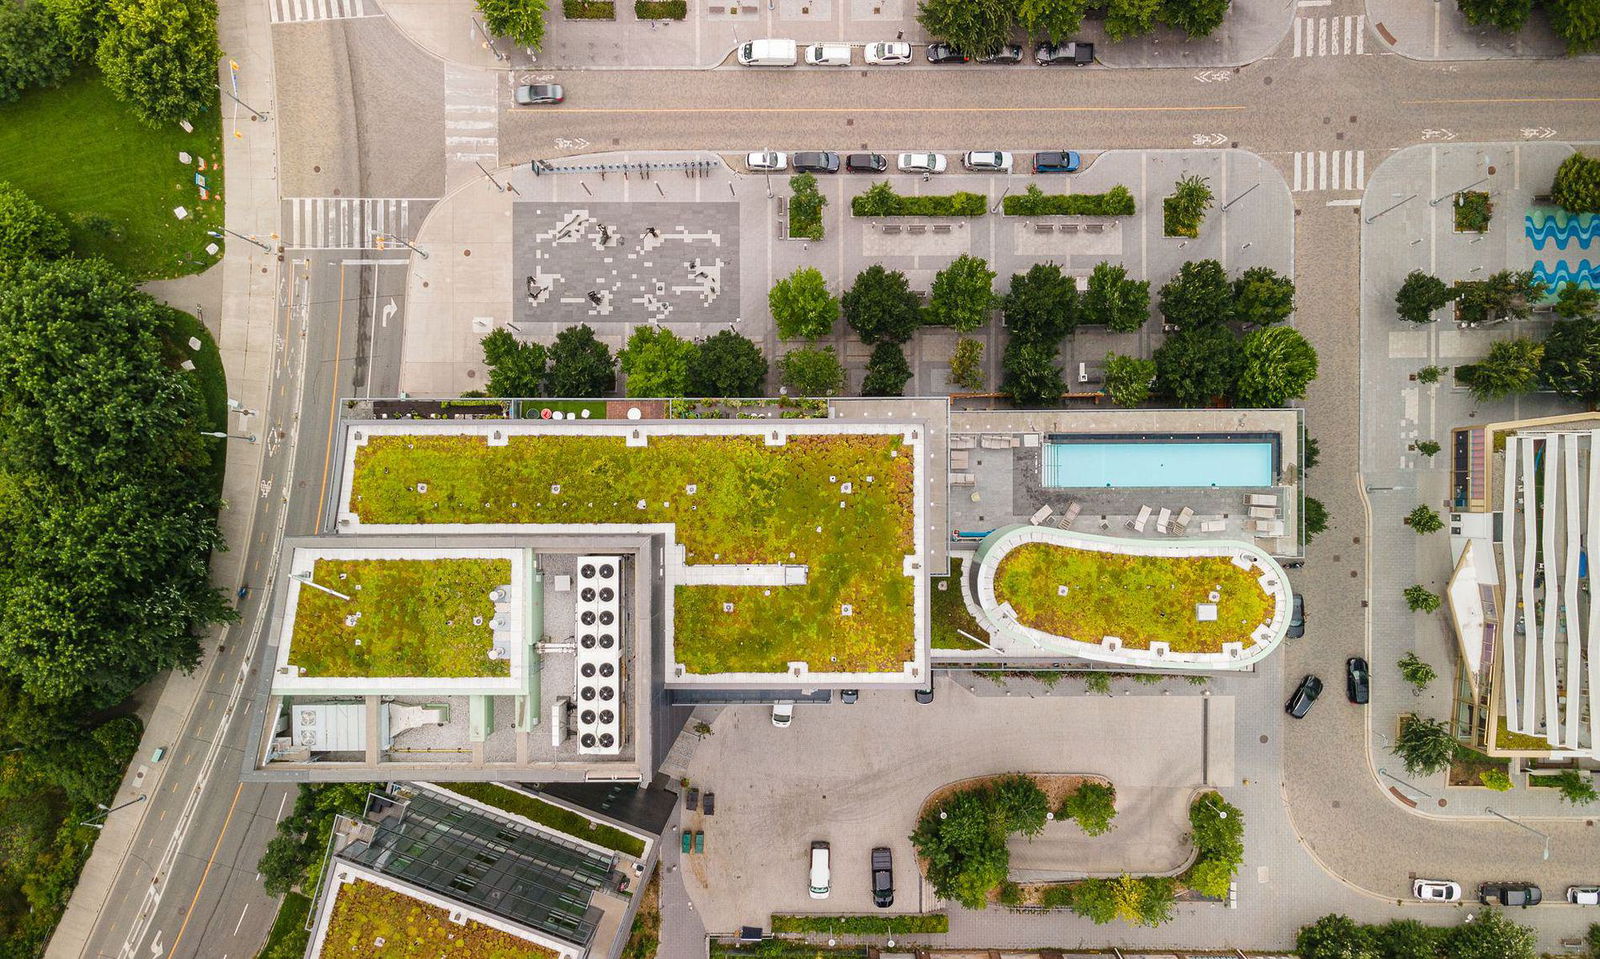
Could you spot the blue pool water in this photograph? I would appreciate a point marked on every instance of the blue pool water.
(1080, 465)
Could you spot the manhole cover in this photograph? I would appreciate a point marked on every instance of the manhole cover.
(1263, 739)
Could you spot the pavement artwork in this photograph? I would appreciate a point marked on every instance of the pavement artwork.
(1554, 228)
(626, 262)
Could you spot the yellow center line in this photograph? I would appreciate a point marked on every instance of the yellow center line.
(858, 109)
(1509, 100)
(173, 949)
(333, 401)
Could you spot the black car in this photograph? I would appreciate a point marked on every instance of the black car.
(1522, 894)
(925, 696)
(1304, 695)
(1069, 54)
(1010, 53)
(849, 695)
(1357, 680)
(815, 162)
(945, 53)
(882, 877)
(866, 163)
(1297, 618)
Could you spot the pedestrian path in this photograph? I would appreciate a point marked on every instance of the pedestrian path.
(1329, 170)
(471, 123)
(305, 11)
(349, 223)
(1330, 36)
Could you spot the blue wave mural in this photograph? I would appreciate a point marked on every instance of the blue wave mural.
(1584, 274)
(1580, 228)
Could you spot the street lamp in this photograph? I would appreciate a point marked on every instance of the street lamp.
(1436, 200)
(241, 236)
(247, 437)
(1238, 198)
(1544, 836)
(1385, 773)
(379, 238)
(92, 824)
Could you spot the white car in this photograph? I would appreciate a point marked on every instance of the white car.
(767, 161)
(921, 163)
(987, 161)
(1584, 895)
(821, 878)
(1436, 890)
(782, 714)
(890, 54)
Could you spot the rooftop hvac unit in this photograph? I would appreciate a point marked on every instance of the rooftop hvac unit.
(598, 667)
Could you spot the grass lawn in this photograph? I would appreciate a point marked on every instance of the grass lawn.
(545, 814)
(1139, 599)
(947, 613)
(751, 504)
(1506, 739)
(415, 618)
(81, 153)
(412, 929)
(288, 936)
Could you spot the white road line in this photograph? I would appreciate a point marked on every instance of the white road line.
(1351, 202)
(241, 918)
(1329, 170)
(1329, 36)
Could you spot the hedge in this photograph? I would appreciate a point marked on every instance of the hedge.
(546, 814)
(1115, 202)
(588, 9)
(934, 922)
(661, 9)
(881, 200)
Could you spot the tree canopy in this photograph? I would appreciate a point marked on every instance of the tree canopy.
(1275, 366)
(1030, 374)
(515, 369)
(656, 362)
(963, 294)
(580, 365)
(1052, 20)
(1511, 368)
(160, 56)
(1041, 306)
(1420, 296)
(801, 305)
(521, 20)
(1195, 366)
(887, 371)
(812, 372)
(727, 364)
(1576, 187)
(975, 27)
(1122, 304)
(1262, 296)
(33, 51)
(1571, 360)
(28, 230)
(1128, 379)
(880, 306)
(1198, 296)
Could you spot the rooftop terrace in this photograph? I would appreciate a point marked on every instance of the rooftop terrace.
(370, 921)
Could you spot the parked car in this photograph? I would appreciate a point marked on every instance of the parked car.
(816, 162)
(539, 94)
(782, 714)
(892, 53)
(921, 163)
(1508, 894)
(945, 53)
(1436, 890)
(1056, 54)
(866, 163)
(1584, 895)
(767, 161)
(828, 55)
(988, 161)
(1304, 695)
(821, 876)
(882, 877)
(1297, 618)
(1056, 161)
(1357, 680)
(768, 52)
(925, 696)
(848, 696)
(1010, 53)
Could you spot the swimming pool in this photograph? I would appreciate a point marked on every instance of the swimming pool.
(1143, 462)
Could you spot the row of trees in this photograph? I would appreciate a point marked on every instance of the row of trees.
(657, 361)
(1576, 22)
(1485, 935)
(981, 27)
(521, 20)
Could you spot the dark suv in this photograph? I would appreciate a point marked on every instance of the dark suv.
(815, 162)
(866, 163)
(1056, 161)
(1508, 894)
(882, 877)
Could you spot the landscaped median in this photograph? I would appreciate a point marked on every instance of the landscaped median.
(881, 200)
(925, 924)
(1035, 202)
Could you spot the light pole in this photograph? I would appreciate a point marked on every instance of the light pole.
(1544, 836)
(1395, 207)
(1385, 773)
(1238, 198)
(1436, 200)
(108, 810)
(380, 237)
(241, 236)
(247, 437)
(306, 579)
(254, 113)
(486, 173)
(488, 41)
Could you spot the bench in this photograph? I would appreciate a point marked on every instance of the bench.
(1069, 228)
(1044, 228)
(941, 228)
(1094, 228)
(916, 229)
(891, 228)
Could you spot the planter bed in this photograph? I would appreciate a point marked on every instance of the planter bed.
(661, 9)
(588, 9)
(1115, 202)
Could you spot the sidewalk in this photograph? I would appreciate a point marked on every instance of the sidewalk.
(244, 330)
(1437, 30)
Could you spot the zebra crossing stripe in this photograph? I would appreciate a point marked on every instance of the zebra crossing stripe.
(1314, 170)
(1329, 36)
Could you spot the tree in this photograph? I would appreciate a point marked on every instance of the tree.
(27, 230)
(1095, 900)
(801, 305)
(1424, 520)
(521, 20)
(1199, 365)
(1041, 305)
(1428, 448)
(805, 207)
(1053, 20)
(515, 369)
(1262, 296)
(1414, 670)
(879, 200)
(1431, 374)
(1576, 187)
(976, 27)
(1030, 374)
(1577, 22)
(80, 23)
(1210, 877)
(1217, 828)
(1130, 18)
(1316, 518)
(1426, 746)
(880, 306)
(1496, 779)
(294, 855)
(1185, 209)
(1198, 296)
(1313, 452)
(966, 364)
(1576, 788)
(1420, 599)
(1197, 18)
(1507, 16)
(33, 52)
(656, 361)
(887, 371)
(1336, 937)
(1571, 360)
(160, 57)
(727, 365)
(1512, 367)
(1092, 805)
(1123, 305)
(963, 843)
(1509, 293)
(1020, 805)
(1420, 296)
(1574, 302)
(963, 294)
(1128, 379)
(580, 365)
(1275, 366)
(812, 372)
(1491, 936)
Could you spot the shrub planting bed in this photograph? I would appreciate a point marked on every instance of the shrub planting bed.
(660, 9)
(881, 200)
(931, 923)
(1035, 202)
(558, 818)
(588, 9)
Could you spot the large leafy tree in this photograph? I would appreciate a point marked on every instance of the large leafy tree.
(1491, 936)
(28, 230)
(1263, 296)
(1576, 187)
(1571, 361)
(1196, 366)
(521, 20)
(1198, 296)
(1041, 306)
(580, 365)
(1577, 22)
(1575, 302)
(1512, 367)
(1053, 20)
(1505, 15)
(109, 514)
(880, 306)
(976, 27)
(1420, 296)
(966, 364)
(1508, 293)
(727, 365)
(1197, 18)
(887, 371)
(812, 372)
(33, 52)
(1336, 937)
(1426, 746)
(160, 56)
(1122, 304)
(963, 294)
(1128, 379)
(1030, 373)
(801, 305)
(81, 24)
(1130, 18)
(657, 362)
(1275, 365)
(515, 369)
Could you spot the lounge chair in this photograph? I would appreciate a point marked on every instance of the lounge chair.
(1065, 519)
(1137, 525)
(1161, 520)
(1263, 512)
(1214, 526)
(1260, 499)
(1181, 524)
(1042, 514)
(1267, 528)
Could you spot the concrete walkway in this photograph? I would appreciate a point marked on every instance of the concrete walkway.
(1148, 838)
(1437, 30)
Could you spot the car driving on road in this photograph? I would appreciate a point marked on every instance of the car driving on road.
(538, 94)
(921, 163)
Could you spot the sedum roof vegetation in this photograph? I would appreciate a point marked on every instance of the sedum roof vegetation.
(1139, 599)
(414, 618)
(751, 504)
(366, 914)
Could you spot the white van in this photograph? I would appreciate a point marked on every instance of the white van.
(828, 55)
(769, 52)
(821, 878)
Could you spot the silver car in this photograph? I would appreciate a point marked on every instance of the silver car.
(539, 94)
(767, 161)
(987, 161)
(921, 163)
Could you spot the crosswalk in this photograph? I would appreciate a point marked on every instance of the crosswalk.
(471, 123)
(1329, 170)
(349, 223)
(305, 11)
(1330, 36)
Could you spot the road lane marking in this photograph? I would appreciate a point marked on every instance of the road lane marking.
(1506, 100)
(241, 918)
(566, 111)
(284, 799)
(189, 914)
(1354, 202)
(333, 404)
